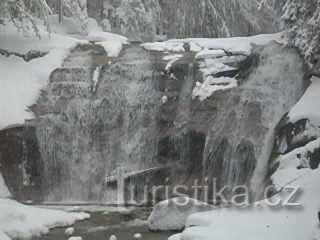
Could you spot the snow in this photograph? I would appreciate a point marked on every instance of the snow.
(113, 237)
(137, 236)
(204, 90)
(238, 45)
(75, 238)
(172, 214)
(21, 81)
(164, 99)
(260, 220)
(307, 107)
(4, 192)
(113, 48)
(69, 231)
(111, 42)
(206, 53)
(171, 60)
(213, 56)
(20, 221)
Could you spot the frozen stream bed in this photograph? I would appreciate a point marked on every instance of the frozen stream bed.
(106, 221)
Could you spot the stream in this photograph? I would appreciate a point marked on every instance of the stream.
(106, 221)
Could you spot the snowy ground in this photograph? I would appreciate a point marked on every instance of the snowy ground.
(21, 81)
(20, 221)
(260, 220)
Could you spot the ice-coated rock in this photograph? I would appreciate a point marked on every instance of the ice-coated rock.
(172, 214)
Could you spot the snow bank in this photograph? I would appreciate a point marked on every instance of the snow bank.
(261, 221)
(111, 42)
(308, 106)
(239, 45)
(20, 221)
(172, 214)
(20, 80)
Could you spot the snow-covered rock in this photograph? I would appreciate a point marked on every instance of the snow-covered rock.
(113, 237)
(236, 45)
(69, 231)
(20, 221)
(172, 214)
(75, 238)
(137, 236)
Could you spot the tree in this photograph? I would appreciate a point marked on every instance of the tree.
(77, 9)
(302, 19)
(25, 14)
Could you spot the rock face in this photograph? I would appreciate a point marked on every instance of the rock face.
(86, 127)
(241, 130)
(172, 214)
(21, 163)
(149, 20)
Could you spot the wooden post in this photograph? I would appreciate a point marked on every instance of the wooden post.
(60, 9)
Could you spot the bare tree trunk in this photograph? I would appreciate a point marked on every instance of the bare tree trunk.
(60, 9)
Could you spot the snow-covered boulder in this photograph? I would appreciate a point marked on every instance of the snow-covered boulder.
(69, 231)
(172, 214)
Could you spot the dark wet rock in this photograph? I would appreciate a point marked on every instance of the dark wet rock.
(30, 55)
(21, 163)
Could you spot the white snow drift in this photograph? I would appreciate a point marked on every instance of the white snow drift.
(20, 221)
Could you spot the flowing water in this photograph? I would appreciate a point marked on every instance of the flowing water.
(102, 224)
